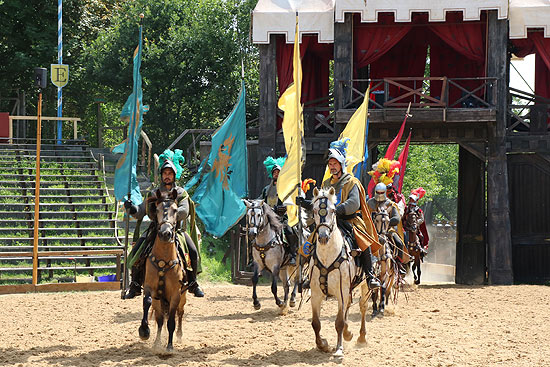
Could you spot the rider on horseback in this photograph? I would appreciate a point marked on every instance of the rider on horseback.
(413, 207)
(269, 196)
(350, 198)
(380, 200)
(143, 246)
(396, 197)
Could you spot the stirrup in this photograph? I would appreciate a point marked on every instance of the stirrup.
(373, 282)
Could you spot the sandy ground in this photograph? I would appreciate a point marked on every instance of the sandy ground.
(432, 325)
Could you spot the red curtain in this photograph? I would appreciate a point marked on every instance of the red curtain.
(315, 66)
(540, 46)
(406, 59)
(371, 41)
(465, 58)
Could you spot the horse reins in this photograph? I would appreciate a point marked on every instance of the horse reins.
(164, 266)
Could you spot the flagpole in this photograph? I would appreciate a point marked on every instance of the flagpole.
(131, 151)
(299, 165)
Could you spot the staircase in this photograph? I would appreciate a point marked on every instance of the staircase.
(78, 218)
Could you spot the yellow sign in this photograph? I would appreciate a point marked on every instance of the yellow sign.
(59, 75)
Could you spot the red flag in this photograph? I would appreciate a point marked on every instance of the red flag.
(392, 148)
(403, 160)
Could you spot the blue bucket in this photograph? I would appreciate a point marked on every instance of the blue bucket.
(107, 278)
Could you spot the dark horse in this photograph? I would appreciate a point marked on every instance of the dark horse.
(164, 272)
(416, 249)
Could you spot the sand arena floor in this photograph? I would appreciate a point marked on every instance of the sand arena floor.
(432, 325)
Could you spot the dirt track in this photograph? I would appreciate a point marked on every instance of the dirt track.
(439, 325)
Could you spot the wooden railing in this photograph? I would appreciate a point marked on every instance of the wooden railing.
(431, 92)
(74, 120)
(528, 113)
(318, 116)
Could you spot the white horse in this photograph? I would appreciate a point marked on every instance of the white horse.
(333, 271)
(268, 252)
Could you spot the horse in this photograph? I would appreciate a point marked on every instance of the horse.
(386, 268)
(164, 272)
(333, 273)
(268, 252)
(411, 225)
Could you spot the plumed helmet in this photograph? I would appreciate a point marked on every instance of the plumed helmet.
(337, 151)
(272, 164)
(380, 192)
(168, 164)
(172, 159)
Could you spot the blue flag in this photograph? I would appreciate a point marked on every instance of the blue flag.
(223, 176)
(133, 110)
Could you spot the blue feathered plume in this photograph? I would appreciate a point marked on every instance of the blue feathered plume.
(340, 145)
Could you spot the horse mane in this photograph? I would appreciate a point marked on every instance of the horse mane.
(272, 218)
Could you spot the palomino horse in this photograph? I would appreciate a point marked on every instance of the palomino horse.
(333, 272)
(411, 225)
(385, 265)
(164, 271)
(268, 252)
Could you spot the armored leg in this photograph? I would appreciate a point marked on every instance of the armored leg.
(366, 263)
(399, 244)
(292, 239)
(192, 275)
(138, 269)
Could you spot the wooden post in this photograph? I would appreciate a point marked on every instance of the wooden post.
(75, 129)
(267, 135)
(99, 126)
(498, 207)
(343, 60)
(37, 192)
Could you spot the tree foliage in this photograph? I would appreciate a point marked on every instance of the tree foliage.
(191, 65)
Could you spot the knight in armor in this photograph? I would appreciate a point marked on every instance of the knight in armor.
(144, 244)
(269, 195)
(350, 203)
(397, 197)
(412, 207)
(380, 199)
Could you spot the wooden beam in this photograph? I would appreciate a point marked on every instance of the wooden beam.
(343, 59)
(60, 287)
(499, 239)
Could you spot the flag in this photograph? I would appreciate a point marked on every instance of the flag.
(290, 177)
(356, 132)
(223, 176)
(403, 160)
(392, 148)
(133, 110)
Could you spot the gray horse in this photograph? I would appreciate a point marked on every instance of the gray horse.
(268, 252)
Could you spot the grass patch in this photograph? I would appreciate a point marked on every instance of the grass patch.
(212, 252)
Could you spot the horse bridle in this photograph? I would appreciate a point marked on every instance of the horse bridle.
(252, 219)
(165, 205)
(322, 213)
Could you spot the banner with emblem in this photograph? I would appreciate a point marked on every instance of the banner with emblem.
(223, 176)
(59, 74)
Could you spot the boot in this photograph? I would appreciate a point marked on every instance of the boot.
(401, 267)
(193, 286)
(366, 262)
(134, 288)
(292, 253)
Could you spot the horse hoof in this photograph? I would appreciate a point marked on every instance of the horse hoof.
(339, 353)
(417, 282)
(144, 332)
(169, 348)
(257, 306)
(374, 314)
(362, 340)
(292, 303)
(323, 345)
(348, 336)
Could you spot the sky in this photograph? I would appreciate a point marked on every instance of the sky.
(525, 67)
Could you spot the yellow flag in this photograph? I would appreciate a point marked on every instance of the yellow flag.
(355, 131)
(290, 176)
